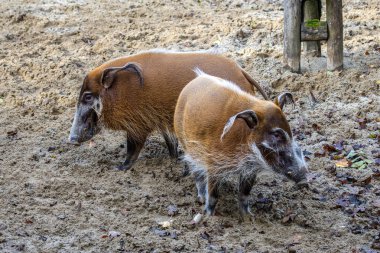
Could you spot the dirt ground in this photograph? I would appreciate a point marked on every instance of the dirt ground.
(55, 197)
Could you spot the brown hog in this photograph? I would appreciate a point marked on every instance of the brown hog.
(227, 132)
(138, 93)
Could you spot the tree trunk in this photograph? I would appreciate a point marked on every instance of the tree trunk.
(292, 34)
(335, 41)
(311, 10)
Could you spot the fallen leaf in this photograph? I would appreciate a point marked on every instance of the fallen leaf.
(358, 146)
(337, 157)
(329, 148)
(343, 163)
(104, 236)
(320, 153)
(339, 146)
(165, 224)
(357, 164)
(366, 180)
(351, 154)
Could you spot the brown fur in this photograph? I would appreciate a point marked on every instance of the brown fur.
(140, 109)
(212, 105)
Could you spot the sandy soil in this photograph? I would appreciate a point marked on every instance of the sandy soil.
(60, 198)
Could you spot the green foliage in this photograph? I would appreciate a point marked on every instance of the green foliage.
(314, 23)
(359, 160)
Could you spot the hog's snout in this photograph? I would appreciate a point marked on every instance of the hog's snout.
(74, 140)
(304, 183)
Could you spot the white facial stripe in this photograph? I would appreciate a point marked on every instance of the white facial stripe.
(98, 106)
(299, 158)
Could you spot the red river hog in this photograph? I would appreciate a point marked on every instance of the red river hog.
(137, 94)
(227, 131)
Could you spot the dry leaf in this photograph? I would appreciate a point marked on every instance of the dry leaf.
(343, 163)
(329, 148)
(367, 180)
(165, 224)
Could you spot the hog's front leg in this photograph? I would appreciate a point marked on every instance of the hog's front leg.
(200, 182)
(212, 195)
(245, 186)
(133, 150)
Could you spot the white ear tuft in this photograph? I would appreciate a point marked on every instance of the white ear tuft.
(248, 116)
(227, 126)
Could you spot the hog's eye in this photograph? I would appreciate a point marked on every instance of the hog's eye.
(88, 97)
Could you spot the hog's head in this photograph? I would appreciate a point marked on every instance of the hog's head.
(270, 132)
(89, 106)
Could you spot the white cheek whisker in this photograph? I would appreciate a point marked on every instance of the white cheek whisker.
(98, 106)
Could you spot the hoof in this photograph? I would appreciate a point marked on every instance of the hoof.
(303, 184)
(246, 215)
(210, 211)
(173, 155)
(124, 167)
(200, 199)
(185, 171)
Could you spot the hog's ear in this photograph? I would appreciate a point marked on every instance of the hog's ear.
(109, 74)
(279, 136)
(284, 98)
(248, 116)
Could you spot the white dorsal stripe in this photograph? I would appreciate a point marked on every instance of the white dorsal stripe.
(223, 83)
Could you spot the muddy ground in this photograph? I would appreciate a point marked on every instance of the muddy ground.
(55, 197)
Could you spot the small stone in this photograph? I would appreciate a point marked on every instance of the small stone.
(61, 216)
(113, 234)
(197, 218)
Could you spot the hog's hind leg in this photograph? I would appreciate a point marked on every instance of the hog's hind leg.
(172, 144)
